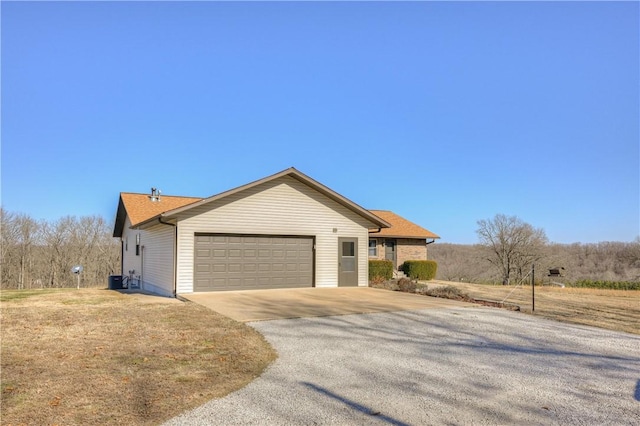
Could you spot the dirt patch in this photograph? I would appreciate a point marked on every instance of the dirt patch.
(452, 292)
(100, 357)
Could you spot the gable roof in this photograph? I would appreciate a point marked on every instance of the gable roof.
(146, 213)
(400, 227)
(139, 208)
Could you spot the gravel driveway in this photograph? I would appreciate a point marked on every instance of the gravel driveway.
(436, 366)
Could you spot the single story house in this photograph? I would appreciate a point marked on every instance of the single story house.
(403, 240)
(285, 230)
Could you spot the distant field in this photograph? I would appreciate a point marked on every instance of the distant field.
(610, 309)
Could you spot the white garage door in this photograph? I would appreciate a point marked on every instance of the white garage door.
(249, 262)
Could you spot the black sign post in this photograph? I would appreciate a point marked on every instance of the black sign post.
(533, 288)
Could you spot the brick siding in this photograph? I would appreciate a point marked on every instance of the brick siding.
(406, 249)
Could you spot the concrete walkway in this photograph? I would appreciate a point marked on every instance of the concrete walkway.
(261, 305)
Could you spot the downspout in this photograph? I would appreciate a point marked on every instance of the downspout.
(433, 240)
(141, 267)
(121, 256)
(375, 232)
(175, 255)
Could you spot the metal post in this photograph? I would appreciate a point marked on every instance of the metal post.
(533, 288)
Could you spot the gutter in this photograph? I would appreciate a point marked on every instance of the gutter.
(175, 255)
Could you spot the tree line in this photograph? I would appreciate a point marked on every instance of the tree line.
(41, 254)
(508, 247)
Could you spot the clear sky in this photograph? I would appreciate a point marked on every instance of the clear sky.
(444, 112)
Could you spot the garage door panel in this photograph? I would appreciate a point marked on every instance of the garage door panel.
(249, 282)
(263, 253)
(235, 282)
(203, 267)
(237, 262)
(203, 253)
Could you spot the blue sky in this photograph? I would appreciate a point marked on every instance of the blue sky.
(444, 112)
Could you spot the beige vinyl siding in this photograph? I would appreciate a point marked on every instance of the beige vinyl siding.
(158, 247)
(283, 207)
(130, 262)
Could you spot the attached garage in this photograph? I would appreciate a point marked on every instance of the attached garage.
(283, 231)
(252, 262)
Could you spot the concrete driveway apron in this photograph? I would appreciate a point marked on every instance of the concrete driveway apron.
(260, 305)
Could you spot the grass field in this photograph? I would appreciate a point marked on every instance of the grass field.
(95, 357)
(610, 309)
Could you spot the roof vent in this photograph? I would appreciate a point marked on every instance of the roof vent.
(155, 195)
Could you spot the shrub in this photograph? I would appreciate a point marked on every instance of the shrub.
(380, 269)
(609, 285)
(406, 285)
(391, 285)
(420, 269)
(377, 281)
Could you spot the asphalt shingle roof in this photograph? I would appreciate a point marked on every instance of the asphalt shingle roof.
(139, 207)
(400, 227)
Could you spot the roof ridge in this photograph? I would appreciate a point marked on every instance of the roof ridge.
(162, 195)
(291, 172)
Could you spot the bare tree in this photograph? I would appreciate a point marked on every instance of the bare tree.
(459, 262)
(41, 254)
(28, 234)
(20, 235)
(56, 237)
(10, 236)
(511, 244)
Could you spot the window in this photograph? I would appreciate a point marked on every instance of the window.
(137, 244)
(348, 259)
(373, 248)
(348, 249)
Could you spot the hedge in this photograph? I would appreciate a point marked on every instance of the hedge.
(380, 269)
(420, 269)
(609, 285)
